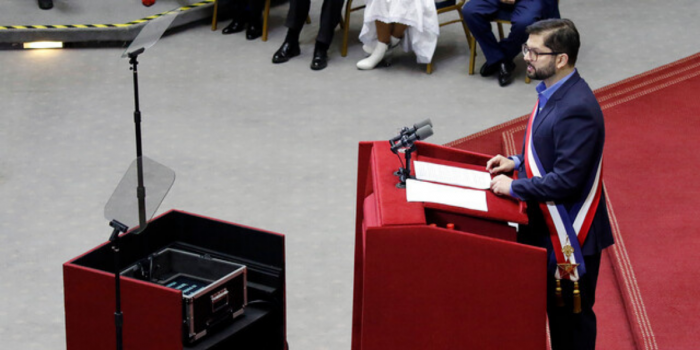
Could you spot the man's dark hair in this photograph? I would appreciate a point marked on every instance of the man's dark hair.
(560, 35)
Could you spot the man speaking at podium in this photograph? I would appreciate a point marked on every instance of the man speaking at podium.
(559, 176)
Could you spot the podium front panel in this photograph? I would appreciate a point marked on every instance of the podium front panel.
(427, 288)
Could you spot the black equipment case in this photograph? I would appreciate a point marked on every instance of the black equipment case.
(213, 289)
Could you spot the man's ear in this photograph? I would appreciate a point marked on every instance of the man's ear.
(562, 60)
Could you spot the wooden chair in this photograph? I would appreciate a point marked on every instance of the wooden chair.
(266, 17)
(442, 7)
(453, 5)
(345, 25)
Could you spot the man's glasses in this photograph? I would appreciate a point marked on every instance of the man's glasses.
(534, 54)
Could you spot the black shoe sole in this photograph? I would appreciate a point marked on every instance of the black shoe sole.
(318, 67)
(285, 59)
(487, 71)
(276, 59)
(253, 36)
(227, 30)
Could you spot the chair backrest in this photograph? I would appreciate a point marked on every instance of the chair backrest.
(444, 3)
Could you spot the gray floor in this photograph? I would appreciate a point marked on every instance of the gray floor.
(270, 146)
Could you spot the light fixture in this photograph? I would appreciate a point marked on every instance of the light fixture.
(44, 45)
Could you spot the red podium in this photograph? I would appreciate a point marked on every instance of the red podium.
(153, 314)
(422, 287)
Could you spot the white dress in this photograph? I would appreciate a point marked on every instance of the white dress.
(419, 15)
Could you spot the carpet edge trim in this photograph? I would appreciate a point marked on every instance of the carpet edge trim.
(648, 91)
(641, 75)
(648, 82)
(629, 279)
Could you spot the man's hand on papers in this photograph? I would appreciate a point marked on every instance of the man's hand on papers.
(500, 185)
(499, 165)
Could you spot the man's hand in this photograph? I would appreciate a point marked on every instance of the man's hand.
(500, 185)
(499, 165)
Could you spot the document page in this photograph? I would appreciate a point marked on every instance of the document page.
(421, 191)
(452, 175)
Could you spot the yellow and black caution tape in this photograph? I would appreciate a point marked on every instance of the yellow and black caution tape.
(120, 25)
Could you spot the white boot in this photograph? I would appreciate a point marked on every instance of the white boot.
(374, 59)
(394, 43)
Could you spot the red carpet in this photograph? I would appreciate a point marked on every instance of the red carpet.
(649, 289)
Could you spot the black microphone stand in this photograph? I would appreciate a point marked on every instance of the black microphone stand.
(404, 173)
(140, 190)
(118, 316)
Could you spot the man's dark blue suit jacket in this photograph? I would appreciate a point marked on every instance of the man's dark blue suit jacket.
(568, 136)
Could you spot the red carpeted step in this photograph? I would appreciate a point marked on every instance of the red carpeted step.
(651, 165)
(613, 327)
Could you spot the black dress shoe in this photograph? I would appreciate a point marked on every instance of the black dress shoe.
(236, 26)
(254, 31)
(488, 70)
(505, 73)
(45, 4)
(320, 60)
(285, 52)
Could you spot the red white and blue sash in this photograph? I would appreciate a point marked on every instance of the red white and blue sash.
(566, 227)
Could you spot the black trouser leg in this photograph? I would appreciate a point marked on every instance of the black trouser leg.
(298, 11)
(255, 8)
(238, 10)
(331, 13)
(569, 330)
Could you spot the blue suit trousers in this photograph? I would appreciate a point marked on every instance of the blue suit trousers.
(479, 13)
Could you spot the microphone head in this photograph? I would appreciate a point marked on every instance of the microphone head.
(424, 132)
(422, 123)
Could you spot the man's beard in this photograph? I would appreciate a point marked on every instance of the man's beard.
(542, 73)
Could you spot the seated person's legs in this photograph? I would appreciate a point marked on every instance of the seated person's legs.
(384, 26)
(246, 12)
(524, 14)
(388, 37)
(478, 15)
(255, 9)
(298, 11)
(331, 14)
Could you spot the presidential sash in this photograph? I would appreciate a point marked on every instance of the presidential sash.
(567, 228)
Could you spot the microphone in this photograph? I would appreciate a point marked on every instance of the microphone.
(407, 131)
(407, 140)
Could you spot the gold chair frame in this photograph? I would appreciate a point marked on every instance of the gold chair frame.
(345, 25)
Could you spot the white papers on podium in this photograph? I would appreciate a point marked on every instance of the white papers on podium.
(452, 175)
(420, 191)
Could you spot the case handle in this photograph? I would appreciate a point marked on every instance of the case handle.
(219, 300)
